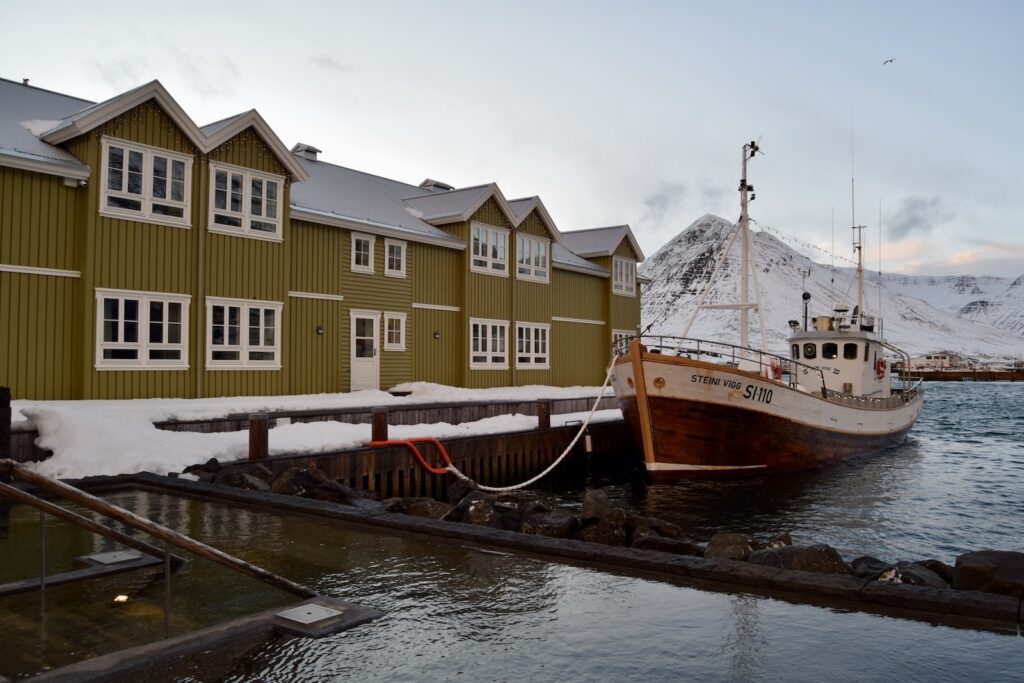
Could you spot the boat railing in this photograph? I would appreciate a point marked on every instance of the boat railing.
(769, 365)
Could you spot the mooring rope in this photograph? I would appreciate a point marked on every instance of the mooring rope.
(504, 489)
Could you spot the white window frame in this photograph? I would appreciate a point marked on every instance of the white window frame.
(536, 360)
(246, 216)
(489, 264)
(402, 247)
(621, 334)
(146, 198)
(489, 327)
(352, 259)
(623, 276)
(533, 272)
(244, 347)
(143, 344)
(400, 344)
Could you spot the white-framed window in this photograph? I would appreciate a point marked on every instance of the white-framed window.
(141, 330)
(488, 250)
(488, 344)
(140, 182)
(394, 331)
(362, 252)
(245, 202)
(619, 338)
(242, 334)
(394, 258)
(532, 346)
(623, 276)
(532, 258)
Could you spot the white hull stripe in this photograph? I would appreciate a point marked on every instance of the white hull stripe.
(654, 466)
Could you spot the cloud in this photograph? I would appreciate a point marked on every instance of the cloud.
(665, 201)
(917, 214)
(121, 73)
(330, 63)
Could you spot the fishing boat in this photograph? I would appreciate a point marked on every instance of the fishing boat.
(702, 408)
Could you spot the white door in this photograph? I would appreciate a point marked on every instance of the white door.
(365, 354)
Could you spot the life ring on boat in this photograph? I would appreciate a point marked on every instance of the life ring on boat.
(880, 368)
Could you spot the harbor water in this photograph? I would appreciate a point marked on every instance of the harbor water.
(454, 612)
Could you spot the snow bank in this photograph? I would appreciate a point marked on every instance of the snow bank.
(160, 409)
(104, 440)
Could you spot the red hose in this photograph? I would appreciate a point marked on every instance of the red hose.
(411, 445)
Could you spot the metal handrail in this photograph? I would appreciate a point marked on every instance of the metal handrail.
(691, 348)
(139, 523)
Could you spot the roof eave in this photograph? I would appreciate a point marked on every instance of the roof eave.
(596, 271)
(56, 168)
(334, 220)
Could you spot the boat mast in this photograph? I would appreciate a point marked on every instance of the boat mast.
(749, 150)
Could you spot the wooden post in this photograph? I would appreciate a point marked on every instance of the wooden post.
(379, 432)
(259, 439)
(5, 422)
(544, 414)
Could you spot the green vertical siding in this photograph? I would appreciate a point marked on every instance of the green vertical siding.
(316, 253)
(440, 275)
(313, 360)
(438, 360)
(579, 353)
(37, 335)
(580, 296)
(37, 220)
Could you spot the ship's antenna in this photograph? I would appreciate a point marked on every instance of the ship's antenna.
(878, 314)
(858, 230)
(832, 282)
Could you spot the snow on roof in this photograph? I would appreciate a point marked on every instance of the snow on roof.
(372, 202)
(26, 112)
(601, 241)
(452, 206)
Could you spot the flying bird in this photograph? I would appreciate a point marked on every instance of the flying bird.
(892, 59)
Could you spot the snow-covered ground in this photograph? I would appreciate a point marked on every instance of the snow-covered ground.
(90, 438)
(160, 409)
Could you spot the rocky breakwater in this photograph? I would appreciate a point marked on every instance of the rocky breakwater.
(985, 584)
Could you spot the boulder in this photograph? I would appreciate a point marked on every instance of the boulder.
(241, 480)
(650, 541)
(459, 490)
(868, 567)
(212, 465)
(730, 547)
(418, 507)
(260, 472)
(940, 568)
(779, 540)
(475, 508)
(610, 530)
(294, 481)
(915, 575)
(991, 571)
(809, 558)
(532, 506)
(596, 506)
(637, 525)
(554, 524)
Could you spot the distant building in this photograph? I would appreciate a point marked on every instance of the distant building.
(142, 255)
(942, 360)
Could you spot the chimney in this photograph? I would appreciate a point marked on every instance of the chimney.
(436, 185)
(306, 151)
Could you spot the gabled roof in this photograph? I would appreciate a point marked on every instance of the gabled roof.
(56, 118)
(26, 112)
(343, 197)
(522, 208)
(562, 258)
(456, 206)
(221, 131)
(601, 241)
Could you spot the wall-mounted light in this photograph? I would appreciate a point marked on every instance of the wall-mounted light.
(320, 329)
(437, 335)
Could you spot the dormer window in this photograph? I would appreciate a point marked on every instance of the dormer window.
(146, 183)
(488, 250)
(531, 258)
(623, 276)
(245, 202)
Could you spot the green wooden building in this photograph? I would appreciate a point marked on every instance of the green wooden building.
(142, 255)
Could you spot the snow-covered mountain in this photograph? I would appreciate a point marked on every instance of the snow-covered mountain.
(980, 317)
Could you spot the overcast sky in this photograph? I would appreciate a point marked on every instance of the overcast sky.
(612, 112)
